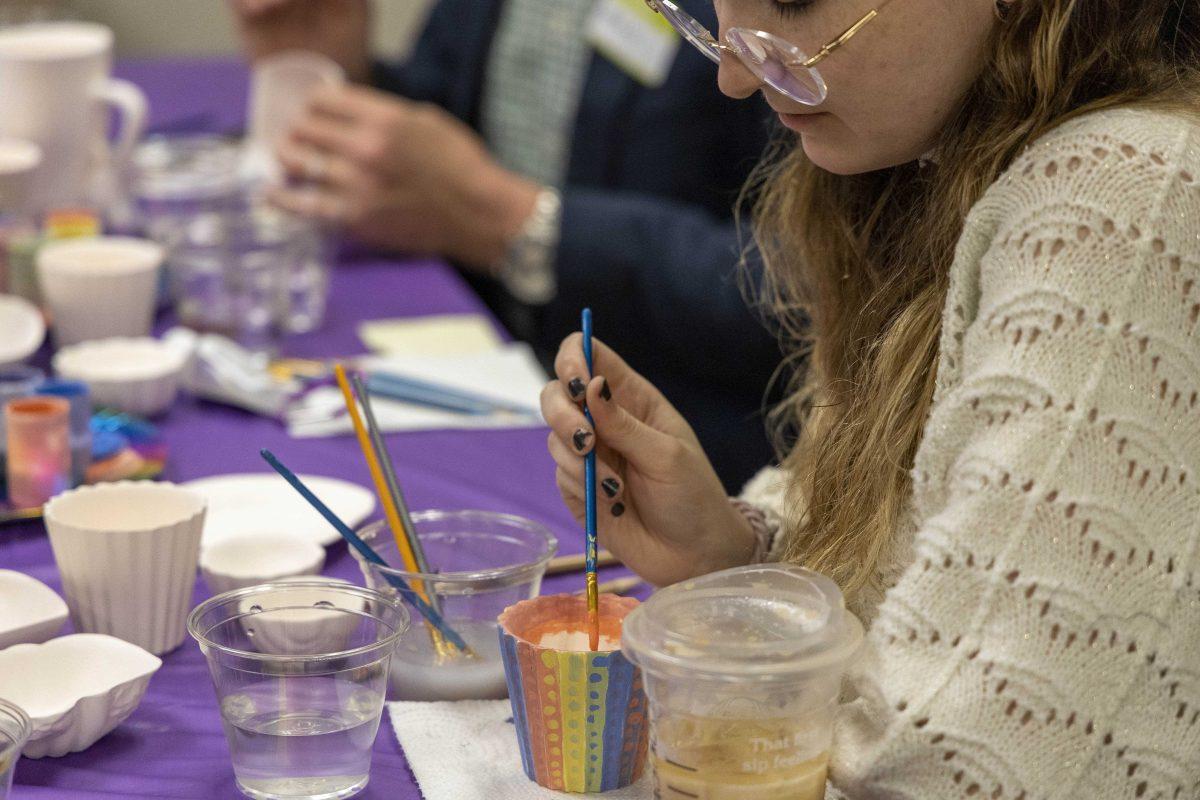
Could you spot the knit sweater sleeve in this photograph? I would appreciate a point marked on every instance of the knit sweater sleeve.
(1043, 640)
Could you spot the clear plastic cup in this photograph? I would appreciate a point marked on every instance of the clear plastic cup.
(300, 670)
(15, 729)
(280, 87)
(252, 277)
(480, 564)
(743, 669)
(177, 178)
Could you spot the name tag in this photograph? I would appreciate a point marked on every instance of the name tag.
(638, 40)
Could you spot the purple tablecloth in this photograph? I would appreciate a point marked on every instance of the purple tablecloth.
(173, 746)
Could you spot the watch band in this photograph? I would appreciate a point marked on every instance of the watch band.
(527, 270)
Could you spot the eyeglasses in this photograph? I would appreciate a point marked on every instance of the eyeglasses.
(774, 61)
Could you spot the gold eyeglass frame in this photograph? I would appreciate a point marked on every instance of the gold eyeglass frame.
(809, 63)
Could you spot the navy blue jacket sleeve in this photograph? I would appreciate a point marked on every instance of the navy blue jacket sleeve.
(447, 61)
(671, 270)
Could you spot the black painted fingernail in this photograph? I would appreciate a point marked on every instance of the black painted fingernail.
(618, 509)
(581, 438)
(610, 486)
(576, 387)
(605, 392)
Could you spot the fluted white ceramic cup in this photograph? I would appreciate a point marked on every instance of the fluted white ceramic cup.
(99, 287)
(127, 554)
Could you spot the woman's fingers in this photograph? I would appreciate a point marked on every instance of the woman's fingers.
(609, 486)
(571, 367)
(643, 446)
(333, 136)
(570, 489)
(303, 162)
(314, 202)
(628, 436)
(566, 419)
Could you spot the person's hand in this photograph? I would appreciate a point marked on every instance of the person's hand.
(402, 176)
(660, 507)
(339, 29)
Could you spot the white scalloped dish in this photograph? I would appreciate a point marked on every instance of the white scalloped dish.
(30, 611)
(75, 689)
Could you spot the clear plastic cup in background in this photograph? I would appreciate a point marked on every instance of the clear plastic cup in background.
(480, 563)
(251, 277)
(176, 178)
(281, 85)
(743, 669)
(15, 729)
(300, 671)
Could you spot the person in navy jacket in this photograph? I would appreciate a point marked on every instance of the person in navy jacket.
(627, 209)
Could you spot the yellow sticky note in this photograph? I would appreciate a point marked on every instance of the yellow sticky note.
(439, 335)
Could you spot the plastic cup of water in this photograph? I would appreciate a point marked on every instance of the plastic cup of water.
(743, 670)
(480, 564)
(300, 670)
(15, 729)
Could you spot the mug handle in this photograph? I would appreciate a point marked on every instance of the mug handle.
(130, 101)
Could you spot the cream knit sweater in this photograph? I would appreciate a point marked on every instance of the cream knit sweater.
(1040, 632)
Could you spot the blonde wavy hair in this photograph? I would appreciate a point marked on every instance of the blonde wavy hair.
(856, 267)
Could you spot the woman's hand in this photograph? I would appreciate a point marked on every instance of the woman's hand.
(660, 507)
(401, 176)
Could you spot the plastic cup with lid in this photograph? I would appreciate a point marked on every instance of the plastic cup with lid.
(743, 670)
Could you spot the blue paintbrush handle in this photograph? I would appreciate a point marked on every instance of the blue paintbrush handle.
(400, 387)
(589, 461)
(408, 394)
(364, 549)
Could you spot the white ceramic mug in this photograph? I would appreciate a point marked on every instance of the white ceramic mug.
(55, 89)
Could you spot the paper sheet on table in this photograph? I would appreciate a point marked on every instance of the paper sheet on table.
(438, 335)
(467, 750)
(510, 373)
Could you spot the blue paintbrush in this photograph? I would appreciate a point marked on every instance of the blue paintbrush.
(364, 549)
(589, 493)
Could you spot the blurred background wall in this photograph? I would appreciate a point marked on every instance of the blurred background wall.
(201, 27)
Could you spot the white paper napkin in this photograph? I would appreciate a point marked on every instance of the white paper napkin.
(467, 750)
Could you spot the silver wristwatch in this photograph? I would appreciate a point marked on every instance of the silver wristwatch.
(527, 270)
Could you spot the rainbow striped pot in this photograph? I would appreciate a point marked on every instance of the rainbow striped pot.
(580, 716)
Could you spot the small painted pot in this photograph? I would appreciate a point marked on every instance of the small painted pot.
(580, 715)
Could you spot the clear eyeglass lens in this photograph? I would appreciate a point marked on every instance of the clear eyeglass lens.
(691, 30)
(773, 61)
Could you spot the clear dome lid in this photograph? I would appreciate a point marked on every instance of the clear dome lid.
(766, 621)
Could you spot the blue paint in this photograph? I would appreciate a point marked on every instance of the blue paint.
(516, 697)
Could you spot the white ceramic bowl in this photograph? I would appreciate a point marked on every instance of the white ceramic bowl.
(30, 611)
(298, 630)
(75, 689)
(127, 555)
(251, 559)
(101, 287)
(138, 375)
(21, 329)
